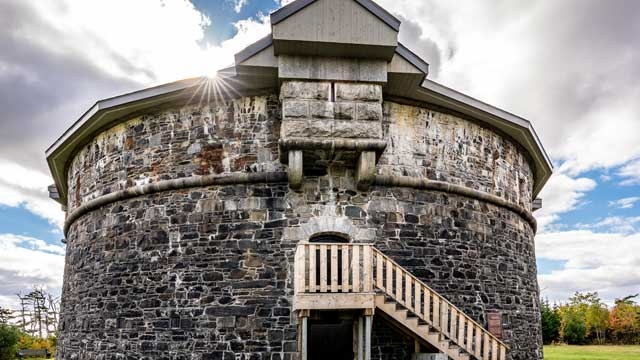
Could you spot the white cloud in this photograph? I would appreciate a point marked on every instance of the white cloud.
(561, 194)
(147, 41)
(21, 186)
(27, 261)
(618, 224)
(537, 59)
(238, 5)
(153, 41)
(605, 262)
(624, 203)
(630, 172)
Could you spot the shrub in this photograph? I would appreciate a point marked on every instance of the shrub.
(9, 336)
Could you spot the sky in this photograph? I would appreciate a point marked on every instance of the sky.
(572, 67)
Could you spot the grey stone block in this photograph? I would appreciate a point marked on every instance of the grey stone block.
(306, 128)
(313, 90)
(357, 129)
(345, 110)
(295, 109)
(321, 109)
(369, 111)
(358, 92)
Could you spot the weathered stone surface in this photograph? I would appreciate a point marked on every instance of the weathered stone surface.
(358, 92)
(430, 144)
(332, 68)
(236, 136)
(321, 109)
(369, 111)
(295, 109)
(357, 129)
(307, 128)
(206, 273)
(345, 110)
(310, 90)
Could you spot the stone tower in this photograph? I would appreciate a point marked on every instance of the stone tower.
(322, 198)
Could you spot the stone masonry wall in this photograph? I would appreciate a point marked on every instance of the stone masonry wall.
(206, 273)
(433, 145)
(220, 137)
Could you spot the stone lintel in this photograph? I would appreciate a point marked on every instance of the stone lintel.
(332, 69)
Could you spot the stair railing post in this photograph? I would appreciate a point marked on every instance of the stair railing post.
(360, 338)
(367, 335)
(304, 318)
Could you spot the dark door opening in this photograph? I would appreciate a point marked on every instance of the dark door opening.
(330, 337)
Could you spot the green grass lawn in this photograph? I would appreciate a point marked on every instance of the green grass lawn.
(592, 352)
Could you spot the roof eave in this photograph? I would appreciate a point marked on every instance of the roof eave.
(99, 112)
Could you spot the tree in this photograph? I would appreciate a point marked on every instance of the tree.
(624, 320)
(551, 321)
(5, 315)
(9, 336)
(574, 328)
(38, 313)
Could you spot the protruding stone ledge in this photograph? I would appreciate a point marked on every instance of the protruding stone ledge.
(173, 184)
(283, 177)
(358, 145)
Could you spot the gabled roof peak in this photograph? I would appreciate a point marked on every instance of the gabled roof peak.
(292, 8)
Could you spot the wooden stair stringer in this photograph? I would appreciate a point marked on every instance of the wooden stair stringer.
(422, 331)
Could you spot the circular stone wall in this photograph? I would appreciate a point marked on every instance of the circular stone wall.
(206, 272)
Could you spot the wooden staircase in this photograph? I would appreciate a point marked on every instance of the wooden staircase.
(359, 276)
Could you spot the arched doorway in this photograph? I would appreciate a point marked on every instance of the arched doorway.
(330, 332)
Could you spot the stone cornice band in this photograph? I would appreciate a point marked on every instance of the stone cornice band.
(282, 177)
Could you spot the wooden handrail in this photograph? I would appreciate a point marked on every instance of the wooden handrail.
(498, 347)
(359, 268)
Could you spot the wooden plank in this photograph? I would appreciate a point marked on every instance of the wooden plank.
(305, 336)
(469, 346)
(427, 304)
(494, 349)
(478, 344)
(334, 268)
(461, 322)
(408, 291)
(367, 337)
(345, 268)
(366, 268)
(379, 278)
(312, 268)
(503, 352)
(389, 270)
(399, 285)
(486, 347)
(417, 301)
(334, 301)
(355, 268)
(453, 326)
(444, 317)
(323, 268)
(436, 312)
(300, 285)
